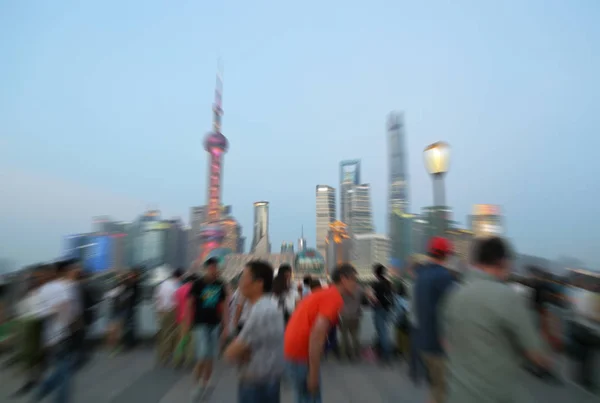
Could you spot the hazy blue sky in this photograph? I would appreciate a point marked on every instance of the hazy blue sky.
(103, 107)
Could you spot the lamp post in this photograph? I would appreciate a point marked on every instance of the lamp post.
(437, 156)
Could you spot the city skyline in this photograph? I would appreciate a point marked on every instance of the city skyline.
(119, 128)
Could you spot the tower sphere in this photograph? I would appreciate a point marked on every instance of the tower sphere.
(214, 140)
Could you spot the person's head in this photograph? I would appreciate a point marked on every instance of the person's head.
(379, 270)
(315, 285)
(178, 274)
(493, 256)
(285, 271)
(439, 249)
(211, 268)
(345, 278)
(256, 280)
(307, 281)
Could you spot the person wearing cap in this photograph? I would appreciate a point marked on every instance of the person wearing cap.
(431, 286)
(488, 330)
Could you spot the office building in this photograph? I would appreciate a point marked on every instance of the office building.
(360, 215)
(398, 178)
(368, 249)
(349, 177)
(287, 247)
(260, 242)
(486, 220)
(401, 238)
(338, 246)
(325, 197)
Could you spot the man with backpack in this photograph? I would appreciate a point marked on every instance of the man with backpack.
(382, 300)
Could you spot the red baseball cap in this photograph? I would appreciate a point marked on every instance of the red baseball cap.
(439, 246)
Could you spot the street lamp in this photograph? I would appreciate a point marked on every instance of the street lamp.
(437, 156)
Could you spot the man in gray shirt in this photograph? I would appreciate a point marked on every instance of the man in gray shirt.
(258, 349)
(350, 324)
(488, 330)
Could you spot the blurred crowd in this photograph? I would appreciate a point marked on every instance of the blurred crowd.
(466, 335)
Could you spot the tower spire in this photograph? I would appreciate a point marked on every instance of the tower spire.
(218, 105)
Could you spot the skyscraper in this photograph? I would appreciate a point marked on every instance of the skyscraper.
(360, 219)
(260, 243)
(215, 143)
(349, 177)
(325, 215)
(398, 186)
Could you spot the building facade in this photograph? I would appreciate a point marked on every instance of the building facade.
(401, 238)
(325, 210)
(367, 250)
(360, 218)
(486, 220)
(260, 242)
(398, 178)
(339, 246)
(349, 177)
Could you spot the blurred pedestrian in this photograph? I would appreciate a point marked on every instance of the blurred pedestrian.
(488, 328)
(433, 282)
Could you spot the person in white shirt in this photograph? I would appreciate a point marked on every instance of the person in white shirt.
(287, 297)
(58, 304)
(165, 306)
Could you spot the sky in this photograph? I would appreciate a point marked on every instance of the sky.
(104, 106)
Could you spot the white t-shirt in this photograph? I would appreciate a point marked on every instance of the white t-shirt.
(246, 307)
(58, 303)
(164, 298)
(289, 300)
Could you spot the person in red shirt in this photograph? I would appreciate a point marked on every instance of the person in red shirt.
(307, 331)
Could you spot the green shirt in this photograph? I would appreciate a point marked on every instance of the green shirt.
(486, 326)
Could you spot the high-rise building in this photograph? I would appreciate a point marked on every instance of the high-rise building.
(287, 247)
(338, 246)
(367, 250)
(398, 186)
(301, 241)
(325, 196)
(349, 177)
(486, 220)
(360, 218)
(216, 144)
(175, 243)
(260, 243)
(401, 238)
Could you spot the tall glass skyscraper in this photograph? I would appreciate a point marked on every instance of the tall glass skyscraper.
(260, 243)
(398, 186)
(349, 177)
(360, 214)
(325, 196)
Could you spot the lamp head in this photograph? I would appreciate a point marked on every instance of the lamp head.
(437, 158)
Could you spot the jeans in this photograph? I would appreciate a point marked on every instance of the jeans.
(259, 392)
(381, 319)
(59, 377)
(298, 375)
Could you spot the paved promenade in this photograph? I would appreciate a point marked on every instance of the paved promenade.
(133, 378)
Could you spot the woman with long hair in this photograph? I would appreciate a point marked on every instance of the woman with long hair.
(287, 297)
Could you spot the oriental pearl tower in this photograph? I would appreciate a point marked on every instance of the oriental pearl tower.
(212, 232)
